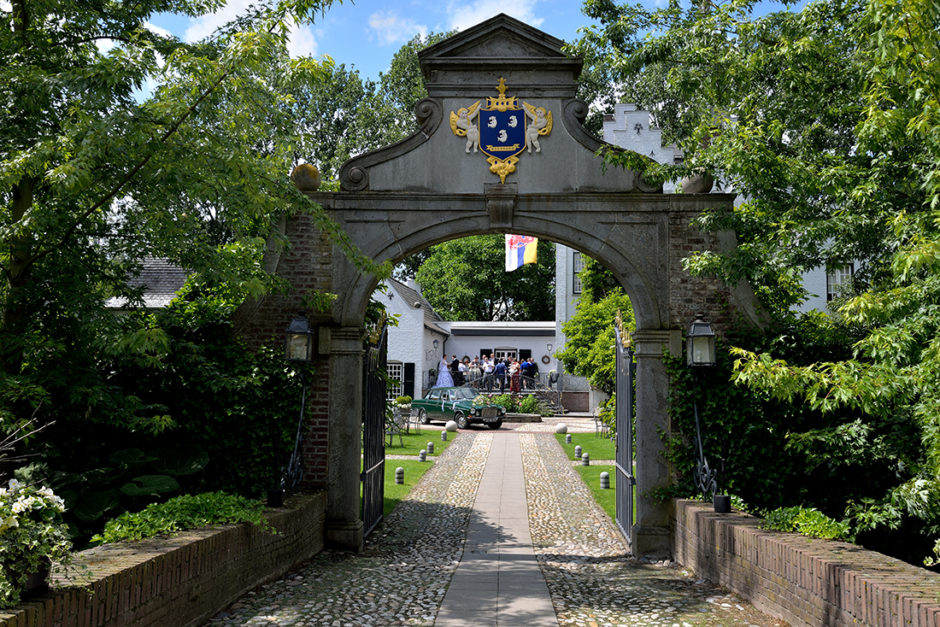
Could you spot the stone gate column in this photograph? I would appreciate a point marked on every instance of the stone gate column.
(651, 533)
(343, 524)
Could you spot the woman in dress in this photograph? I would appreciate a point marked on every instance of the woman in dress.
(443, 375)
(514, 376)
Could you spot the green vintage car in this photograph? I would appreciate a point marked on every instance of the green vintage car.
(462, 405)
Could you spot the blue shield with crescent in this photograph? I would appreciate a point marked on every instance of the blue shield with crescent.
(502, 133)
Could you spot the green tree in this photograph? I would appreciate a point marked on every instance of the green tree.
(96, 175)
(466, 279)
(826, 120)
(589, 333)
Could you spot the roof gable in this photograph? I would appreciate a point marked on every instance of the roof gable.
(501, 36)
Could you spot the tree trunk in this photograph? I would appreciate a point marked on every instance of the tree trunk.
(14, 315)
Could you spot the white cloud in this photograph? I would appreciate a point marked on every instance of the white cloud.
(465, 15)
(153, 28)
(205, 25)
(301, 40)
(389, 28)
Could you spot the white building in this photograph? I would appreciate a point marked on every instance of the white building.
(422, 337)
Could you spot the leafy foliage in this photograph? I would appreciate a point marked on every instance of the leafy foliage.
(32, 536)
(590, 338)
(808, 521)
(203, 413)
(189, 511)
(465, 279)
(826, 120)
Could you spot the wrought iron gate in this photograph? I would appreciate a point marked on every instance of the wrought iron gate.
(625, 482)
(373, 434)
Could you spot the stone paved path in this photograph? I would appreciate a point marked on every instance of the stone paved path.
(403, 575)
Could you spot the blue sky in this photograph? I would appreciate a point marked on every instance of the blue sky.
(366, 34)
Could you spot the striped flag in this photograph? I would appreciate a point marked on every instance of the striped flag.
(520, 249)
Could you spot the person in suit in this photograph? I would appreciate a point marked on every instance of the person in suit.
(499, 371)
(455, 371)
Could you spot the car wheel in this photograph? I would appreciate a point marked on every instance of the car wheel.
(462, 422)
(423, 417)
(495, 425)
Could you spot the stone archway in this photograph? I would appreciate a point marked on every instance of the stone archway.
(433, 187)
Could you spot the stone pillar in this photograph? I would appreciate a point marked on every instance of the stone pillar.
(651, 533)
(343, 524)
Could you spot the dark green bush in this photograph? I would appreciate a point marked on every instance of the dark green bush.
(204, 413)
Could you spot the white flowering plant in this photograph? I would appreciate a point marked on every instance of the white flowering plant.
(32, 537)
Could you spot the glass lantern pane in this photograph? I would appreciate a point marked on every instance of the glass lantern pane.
(702, 351)
(297, 344)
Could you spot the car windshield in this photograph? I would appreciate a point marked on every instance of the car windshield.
(461, 393)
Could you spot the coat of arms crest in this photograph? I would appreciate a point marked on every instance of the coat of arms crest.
(502, 129)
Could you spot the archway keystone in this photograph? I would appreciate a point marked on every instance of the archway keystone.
(428, 189)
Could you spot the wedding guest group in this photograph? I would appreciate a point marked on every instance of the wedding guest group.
(491, 374)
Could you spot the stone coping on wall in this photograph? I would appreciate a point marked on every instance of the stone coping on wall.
(802, 580)
(178, 580)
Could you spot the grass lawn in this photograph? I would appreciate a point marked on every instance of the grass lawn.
(414, 442)
(394, 492)
(605, 498)
(595, 446)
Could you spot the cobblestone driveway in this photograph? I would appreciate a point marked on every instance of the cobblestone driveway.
(401, 577)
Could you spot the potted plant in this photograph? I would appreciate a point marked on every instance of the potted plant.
(33, 539)
(402, 405)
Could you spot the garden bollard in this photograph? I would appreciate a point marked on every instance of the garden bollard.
(605, 481)
(585, 460)
(567, 438)
(443, 436)
(400, 475)
(430, 448)
(422, 455)
(577, 452)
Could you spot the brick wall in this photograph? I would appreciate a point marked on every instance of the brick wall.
(183, 580)
(689, 295)
(804, 581)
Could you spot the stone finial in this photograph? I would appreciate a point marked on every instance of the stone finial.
(306, 177)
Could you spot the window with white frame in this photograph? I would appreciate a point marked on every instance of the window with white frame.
(396, 372)
(576, 266)
(837, 279)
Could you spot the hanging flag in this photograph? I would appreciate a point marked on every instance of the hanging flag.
(520, 249)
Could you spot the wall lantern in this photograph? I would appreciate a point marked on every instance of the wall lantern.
(299, 340)
(549, 347)
(701, 343)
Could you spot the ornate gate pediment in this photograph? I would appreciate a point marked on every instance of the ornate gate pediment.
(532, 135)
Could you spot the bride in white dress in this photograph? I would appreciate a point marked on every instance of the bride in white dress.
(443, 375)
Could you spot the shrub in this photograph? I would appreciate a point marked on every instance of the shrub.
(808, 521)
(508, 401)
(32, 536)
(182, 513)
